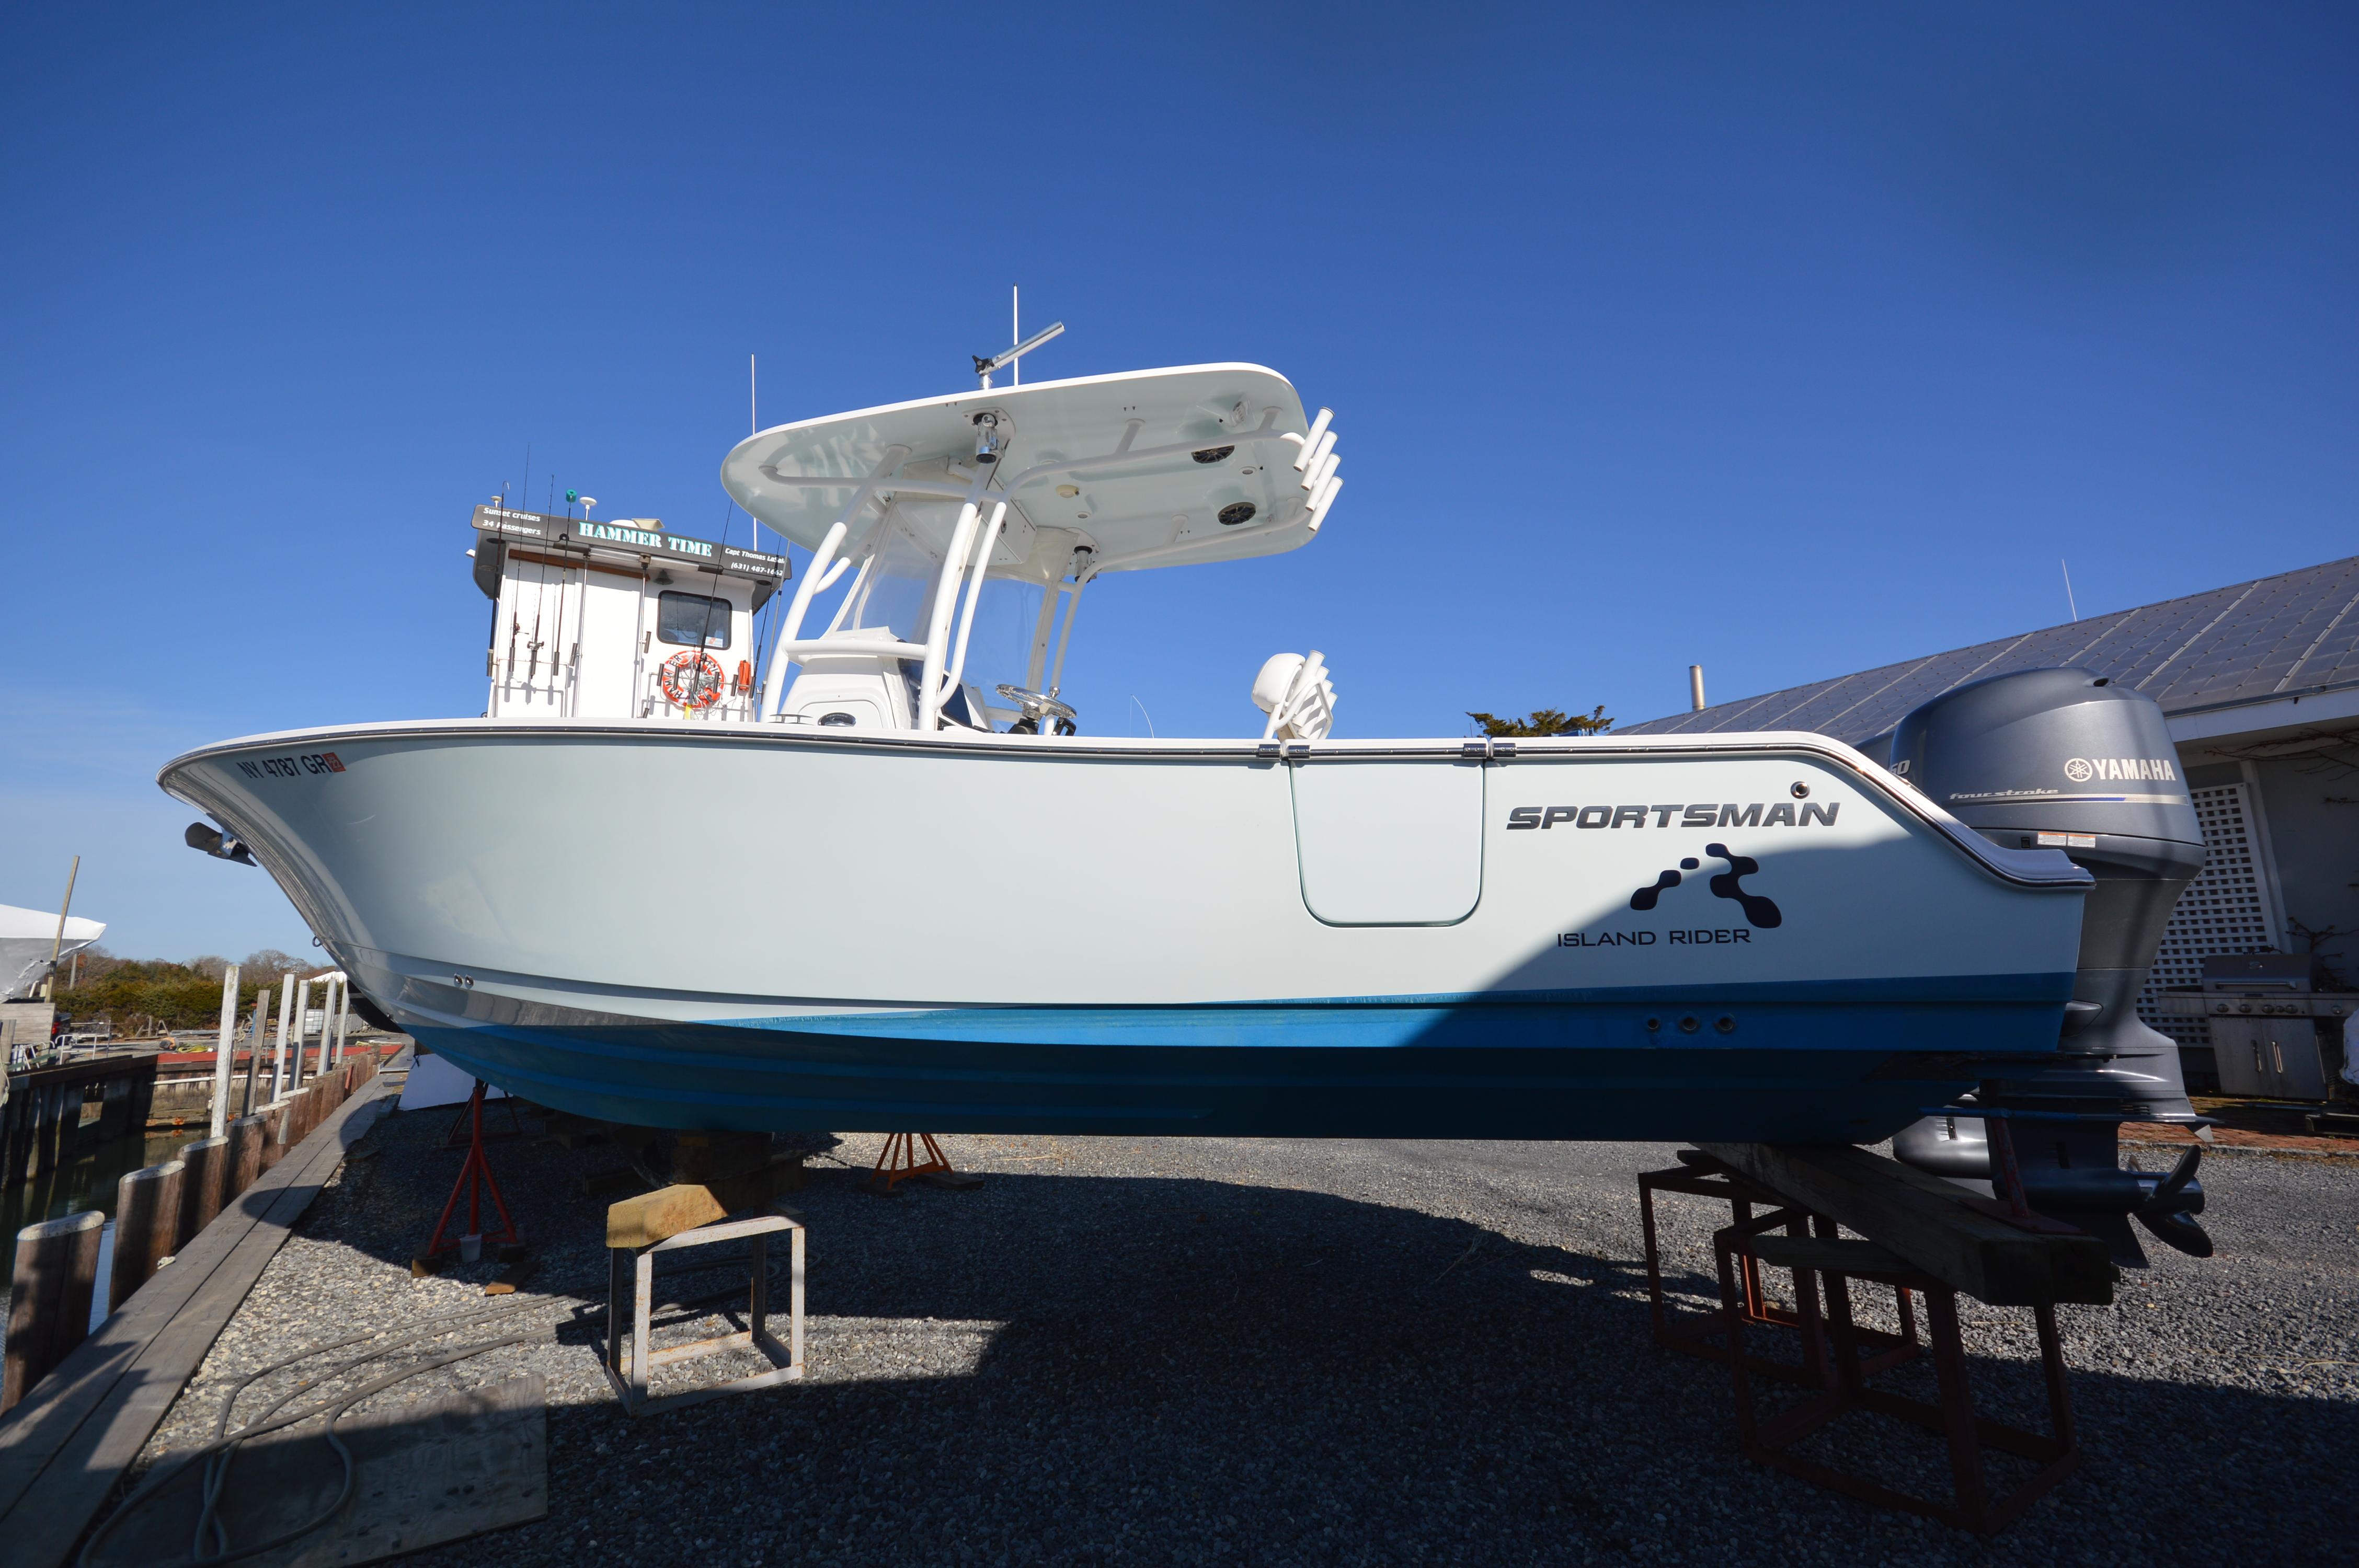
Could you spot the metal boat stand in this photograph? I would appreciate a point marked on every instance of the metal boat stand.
(627, 1363)
(1951, 1246)
(1837, 1264)
(1706, 1334)
(474, 1180)
(459, 1136)
(898, 1161)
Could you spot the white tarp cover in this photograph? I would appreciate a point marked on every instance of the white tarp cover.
(25, 939)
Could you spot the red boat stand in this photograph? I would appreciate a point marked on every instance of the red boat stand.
(474, 1179)
(900, 1159)
(459, 1137)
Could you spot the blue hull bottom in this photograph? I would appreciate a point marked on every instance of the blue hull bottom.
(715, 1078)
(1850, 1062)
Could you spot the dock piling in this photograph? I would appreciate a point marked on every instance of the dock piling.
(332, 1033)
(225, 1056)
(253, 1048)
(248, 1135)
(204, 1185)
(302, 1034)
(146, 1226)
(279, 1067)
(273, 1118)
(56, 1274)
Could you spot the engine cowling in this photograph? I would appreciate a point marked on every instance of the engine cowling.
(2063, 759)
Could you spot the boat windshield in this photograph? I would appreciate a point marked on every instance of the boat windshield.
(1000, 650)
(896, 586)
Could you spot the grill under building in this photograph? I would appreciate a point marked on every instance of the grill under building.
(2260, 683)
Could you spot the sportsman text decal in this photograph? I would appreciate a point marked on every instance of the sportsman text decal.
(1783, 814)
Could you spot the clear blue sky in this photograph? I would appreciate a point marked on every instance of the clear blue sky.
(1786, 340)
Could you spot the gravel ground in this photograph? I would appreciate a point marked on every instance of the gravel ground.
(1264, 1352)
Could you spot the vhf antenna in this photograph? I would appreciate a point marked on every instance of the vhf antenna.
(986, 368)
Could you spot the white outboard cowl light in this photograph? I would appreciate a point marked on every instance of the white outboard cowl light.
(2063, 759)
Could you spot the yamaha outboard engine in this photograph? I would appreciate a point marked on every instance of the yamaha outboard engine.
(2065, 760)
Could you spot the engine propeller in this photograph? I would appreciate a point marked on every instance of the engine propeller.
(2070, 1175)
(2170, 1212)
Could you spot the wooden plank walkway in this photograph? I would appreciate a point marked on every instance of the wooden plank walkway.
(66, 1447)
(441, 1469)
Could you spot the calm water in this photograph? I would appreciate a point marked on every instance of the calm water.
(85, 1181)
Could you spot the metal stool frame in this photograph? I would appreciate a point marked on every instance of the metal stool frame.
(627, 1365)
(1707, 1333)
(1967, 1435)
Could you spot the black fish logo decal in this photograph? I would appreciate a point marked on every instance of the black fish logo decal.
(1646, 898)
(1760, 911)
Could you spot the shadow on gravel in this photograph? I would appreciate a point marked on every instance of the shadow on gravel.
(1191, 1370)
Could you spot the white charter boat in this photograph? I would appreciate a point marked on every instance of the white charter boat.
(882, 877)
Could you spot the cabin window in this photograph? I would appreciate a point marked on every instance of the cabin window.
(693, 620)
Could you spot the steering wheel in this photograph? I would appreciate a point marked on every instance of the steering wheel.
(1037, 706)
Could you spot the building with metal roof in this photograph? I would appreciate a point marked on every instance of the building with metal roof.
(2260, 683)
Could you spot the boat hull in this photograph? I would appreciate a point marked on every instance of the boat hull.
(1559, 1069)
(1050, 936)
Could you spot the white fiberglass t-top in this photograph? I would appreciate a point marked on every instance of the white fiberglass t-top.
(1043, 488)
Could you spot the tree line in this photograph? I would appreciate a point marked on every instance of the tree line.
(173, 995)
(1545, 721)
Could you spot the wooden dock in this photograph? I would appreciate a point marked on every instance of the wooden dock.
(64, 1449)
(184, 1079)
(52, 1112)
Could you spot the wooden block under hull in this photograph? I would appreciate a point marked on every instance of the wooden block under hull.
(658, 1215)
(1926, 1220)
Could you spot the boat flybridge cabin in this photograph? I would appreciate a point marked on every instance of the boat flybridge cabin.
(870, 871)
(962, 533)
(617, 619)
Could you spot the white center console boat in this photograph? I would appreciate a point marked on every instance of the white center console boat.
(878, 874)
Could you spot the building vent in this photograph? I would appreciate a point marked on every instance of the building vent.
(2230, 907)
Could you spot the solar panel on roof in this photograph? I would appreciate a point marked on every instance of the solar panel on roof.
(2281, 636)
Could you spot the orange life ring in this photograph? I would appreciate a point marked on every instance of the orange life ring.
(691, 679)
